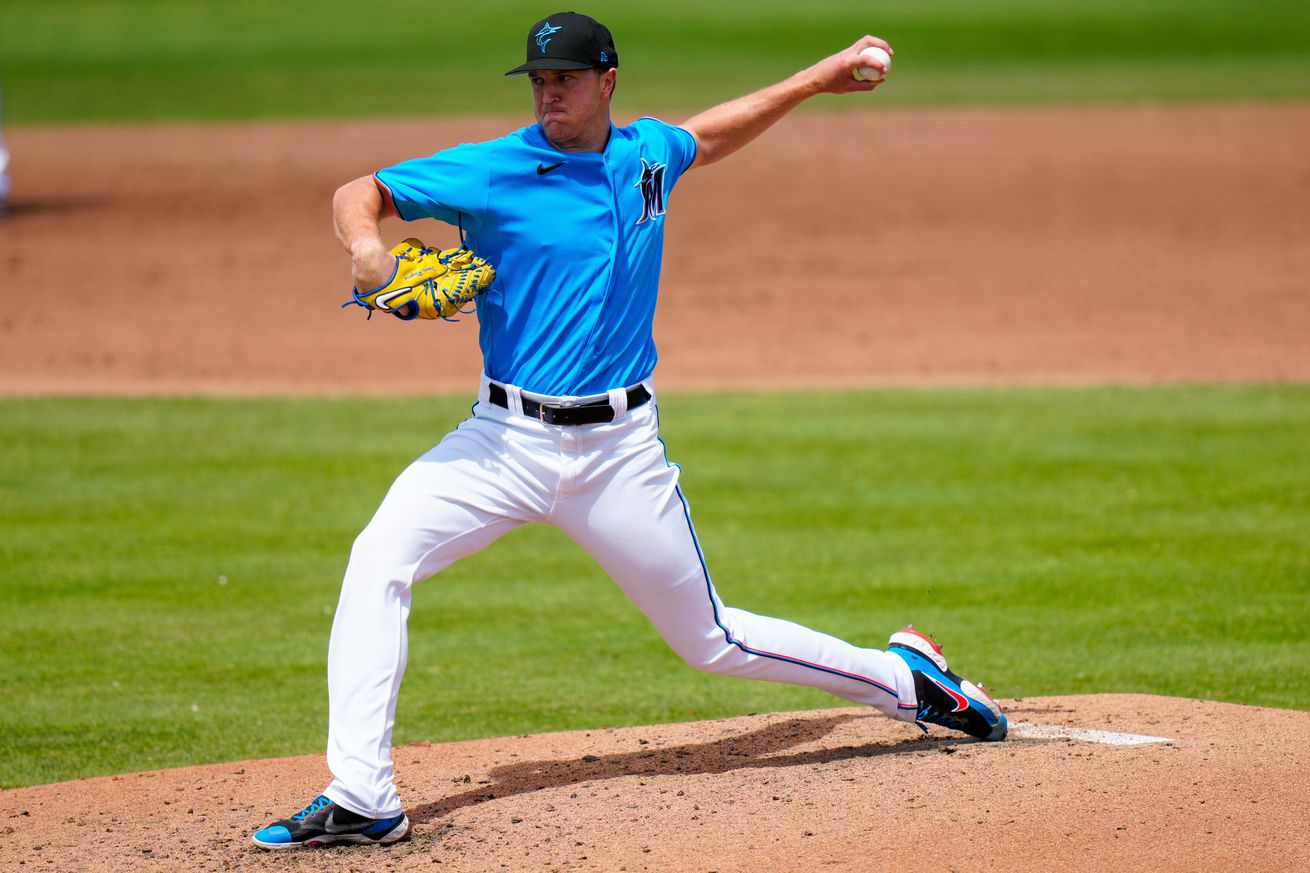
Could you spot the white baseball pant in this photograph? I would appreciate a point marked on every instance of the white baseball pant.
(611, 489)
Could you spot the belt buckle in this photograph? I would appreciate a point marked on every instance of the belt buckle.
(544, 410)
(564, 405)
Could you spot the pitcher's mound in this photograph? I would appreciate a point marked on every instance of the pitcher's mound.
(1096, 782)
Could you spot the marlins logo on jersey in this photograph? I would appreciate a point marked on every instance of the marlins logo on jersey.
(651, 184)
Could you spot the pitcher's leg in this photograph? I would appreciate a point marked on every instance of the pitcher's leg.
(638, 527)
(443, 507)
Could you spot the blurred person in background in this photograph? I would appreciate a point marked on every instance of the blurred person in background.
(4, 165)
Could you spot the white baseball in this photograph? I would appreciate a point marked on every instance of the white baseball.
(873, 74)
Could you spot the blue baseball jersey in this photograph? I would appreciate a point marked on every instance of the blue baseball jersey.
(576, 238)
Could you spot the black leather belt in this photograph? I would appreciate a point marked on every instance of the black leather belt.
(568, 413)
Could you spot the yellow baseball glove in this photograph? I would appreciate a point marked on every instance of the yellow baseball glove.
(428, 283)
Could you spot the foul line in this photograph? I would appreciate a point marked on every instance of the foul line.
(1055, 732)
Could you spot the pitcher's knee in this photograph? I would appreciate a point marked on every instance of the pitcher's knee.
(718, 657)
(377, 555)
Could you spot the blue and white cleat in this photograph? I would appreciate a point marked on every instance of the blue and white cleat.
(945, 698)
(323, 822)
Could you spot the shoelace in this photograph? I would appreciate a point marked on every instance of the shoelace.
(319, 803)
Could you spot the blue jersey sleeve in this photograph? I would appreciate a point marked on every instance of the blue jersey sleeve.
(679, 141)
(444, 186)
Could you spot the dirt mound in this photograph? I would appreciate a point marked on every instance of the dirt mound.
(839, 789)
(1126, 245)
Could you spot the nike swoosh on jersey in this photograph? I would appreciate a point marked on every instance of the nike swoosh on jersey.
(961, 702)
(543, 170)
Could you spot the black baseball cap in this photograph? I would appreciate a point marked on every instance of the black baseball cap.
(569, 41)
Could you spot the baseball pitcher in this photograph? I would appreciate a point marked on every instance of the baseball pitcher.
(562, 229)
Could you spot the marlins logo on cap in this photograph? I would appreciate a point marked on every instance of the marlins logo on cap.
(543, 35)
(569, 41)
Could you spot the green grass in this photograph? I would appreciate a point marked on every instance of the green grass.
(113, 60)
(168, 567)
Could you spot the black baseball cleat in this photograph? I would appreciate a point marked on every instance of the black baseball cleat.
(323, 823)
(945, 698)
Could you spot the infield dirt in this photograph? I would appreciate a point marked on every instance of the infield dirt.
(964, 247)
